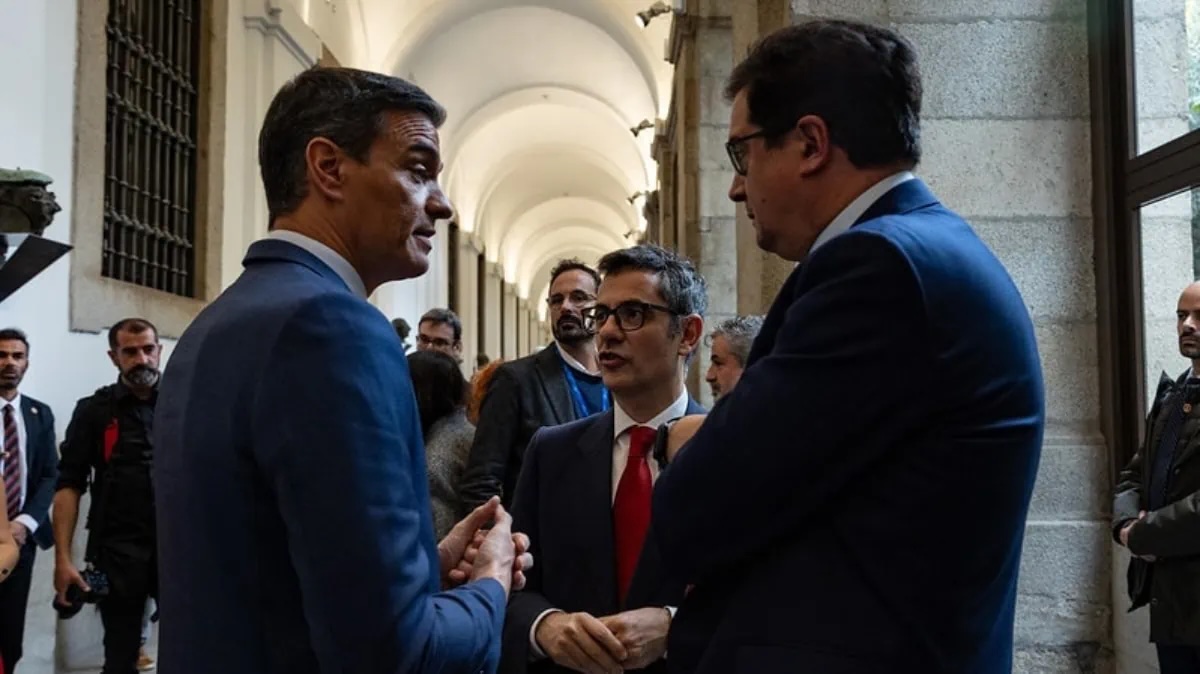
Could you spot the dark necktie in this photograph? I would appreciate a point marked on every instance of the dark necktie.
(631, 507)
(1164, 454)
(12, 463)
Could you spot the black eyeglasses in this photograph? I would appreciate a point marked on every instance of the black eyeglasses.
(736, 149)
(578, 298)
(630, 315)
(434, 342)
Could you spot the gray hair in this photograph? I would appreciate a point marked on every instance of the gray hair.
(740, 332)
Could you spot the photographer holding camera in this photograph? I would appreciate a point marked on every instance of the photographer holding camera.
(108, 448)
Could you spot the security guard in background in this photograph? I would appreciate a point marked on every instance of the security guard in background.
(108, 447)
(1156, 512)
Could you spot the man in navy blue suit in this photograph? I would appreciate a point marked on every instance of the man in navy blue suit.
(599, 599)
(293, 508)
(29, 468)
(857, 504)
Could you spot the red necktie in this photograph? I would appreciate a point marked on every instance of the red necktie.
(631, 507)
(12, 464)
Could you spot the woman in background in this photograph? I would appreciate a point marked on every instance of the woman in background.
(479, 387)
(441, 393)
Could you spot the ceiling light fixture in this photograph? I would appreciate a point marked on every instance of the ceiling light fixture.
(635, 196)
(642, 126)
(647, 15)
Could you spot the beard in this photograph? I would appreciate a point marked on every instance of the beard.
(141, 376)
(569, 330)
(10, 378)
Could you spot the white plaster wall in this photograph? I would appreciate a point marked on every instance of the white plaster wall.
(268, 44)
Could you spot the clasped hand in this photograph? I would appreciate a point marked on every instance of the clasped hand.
(470, 552)
(627, 640)
(1125, 535)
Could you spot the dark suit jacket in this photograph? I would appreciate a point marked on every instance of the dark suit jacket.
(857, 503)
(564, 504)
(295, 532)
(524, 395)
(41, 464)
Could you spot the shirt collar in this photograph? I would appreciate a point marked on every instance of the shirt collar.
(15, 402)
(570, 360)
(340, 265)
(852, 212)
(623, 422)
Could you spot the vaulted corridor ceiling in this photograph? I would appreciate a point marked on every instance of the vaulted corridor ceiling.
(541, 160)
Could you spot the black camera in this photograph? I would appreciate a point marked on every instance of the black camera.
(77, 597)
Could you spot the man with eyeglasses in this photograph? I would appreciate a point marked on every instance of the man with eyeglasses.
(440, 330)
(554, 386)
(584, 493)
(857, 502)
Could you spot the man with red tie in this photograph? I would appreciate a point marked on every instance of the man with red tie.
(598, 599)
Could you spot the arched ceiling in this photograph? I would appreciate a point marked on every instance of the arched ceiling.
(541, 95)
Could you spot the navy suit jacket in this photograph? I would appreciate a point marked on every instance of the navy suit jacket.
(857, 503)
(294, 524)
(41, 462)
(564, 503)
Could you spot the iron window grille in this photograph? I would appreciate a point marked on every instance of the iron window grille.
(152, 107)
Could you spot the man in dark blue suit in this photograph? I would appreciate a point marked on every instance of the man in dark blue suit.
(29, 468)
(599, 599)
(857, 504)
(293, 506)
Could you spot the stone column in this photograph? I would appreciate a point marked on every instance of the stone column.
(526, 327)
(535, 330)
(702, 45)
(510, 322)
(494, 289)
(1006, 144)
(468, 297)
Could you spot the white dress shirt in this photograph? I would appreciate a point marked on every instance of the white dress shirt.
(340, 265)
(622, 424)
(30, 524)
(855, 209)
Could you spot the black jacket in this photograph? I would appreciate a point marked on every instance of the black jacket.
(524, 395)
(564, 504)
(1171, 584)
(106, 430)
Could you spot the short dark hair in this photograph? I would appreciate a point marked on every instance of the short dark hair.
(438, 384)
(344, 105)
(134, 326)
(14, 335)
(573, 264)
(482, 359)
(444, 316)
(863, 80)
(740, 332)
(682, 287)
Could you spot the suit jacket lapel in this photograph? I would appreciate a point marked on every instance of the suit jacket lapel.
(593, 474)
(549, 369)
